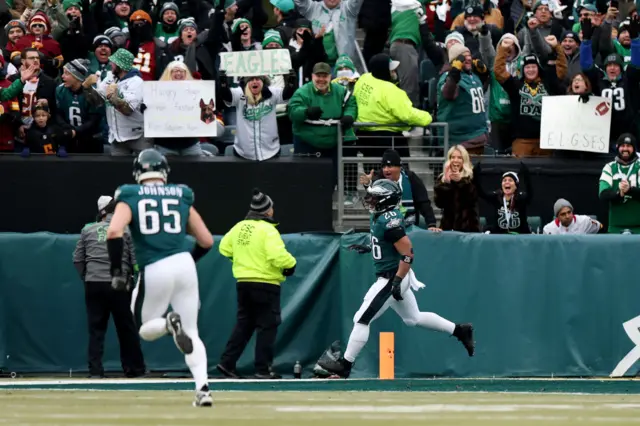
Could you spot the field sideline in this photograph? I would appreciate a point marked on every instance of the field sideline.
(359, 402)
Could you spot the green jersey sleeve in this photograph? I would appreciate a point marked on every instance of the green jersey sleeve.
(187, 195)
(127, 194)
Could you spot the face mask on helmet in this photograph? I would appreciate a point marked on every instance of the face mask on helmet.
(380, 199)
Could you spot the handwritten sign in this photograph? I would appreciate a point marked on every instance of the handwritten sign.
(571, 125)
(254, 63)
(179, 109)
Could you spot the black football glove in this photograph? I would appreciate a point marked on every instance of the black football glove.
(314, 113)
(634, 27)
(454, 74)
(587, 28)
(360, 248)
(222, 78)
(479, 66)
(119, 281)
(584, 98)
(396, 291)
(346, 121)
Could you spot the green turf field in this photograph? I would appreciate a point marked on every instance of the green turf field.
(133, 402)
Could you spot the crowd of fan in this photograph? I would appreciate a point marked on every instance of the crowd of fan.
(72, 72)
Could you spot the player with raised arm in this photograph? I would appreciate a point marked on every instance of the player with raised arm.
(159, 216)
(392, 255)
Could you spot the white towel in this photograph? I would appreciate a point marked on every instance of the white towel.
(413, 281)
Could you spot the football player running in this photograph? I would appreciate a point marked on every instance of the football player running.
(392, 255)
(159, 215)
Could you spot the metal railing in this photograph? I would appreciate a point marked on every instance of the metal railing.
(427, 148)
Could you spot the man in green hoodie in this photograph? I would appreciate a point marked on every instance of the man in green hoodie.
(313, 105)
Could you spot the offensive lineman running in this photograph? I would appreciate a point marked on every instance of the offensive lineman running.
(392, 255)
(159, 216)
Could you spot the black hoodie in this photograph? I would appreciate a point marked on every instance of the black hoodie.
(517, 221)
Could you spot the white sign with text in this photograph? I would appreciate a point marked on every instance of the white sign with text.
(255, 63)
(569, 124)
(179, 109)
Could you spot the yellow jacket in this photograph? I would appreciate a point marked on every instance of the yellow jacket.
(257, 251)
(383, 102)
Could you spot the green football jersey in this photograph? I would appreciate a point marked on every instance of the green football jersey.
(466, 113)
(627, 213)
(73, 107)
(385, 256)
(159, 219)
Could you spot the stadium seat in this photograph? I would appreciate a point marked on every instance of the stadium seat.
(427, 70)
(535, 223)
(228, 151)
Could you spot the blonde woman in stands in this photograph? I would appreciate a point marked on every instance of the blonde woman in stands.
(455, 193)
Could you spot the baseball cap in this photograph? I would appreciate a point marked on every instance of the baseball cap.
(321, 68)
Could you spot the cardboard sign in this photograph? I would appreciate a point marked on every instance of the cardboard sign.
(179, 109)
(255, 63)
(571, 125)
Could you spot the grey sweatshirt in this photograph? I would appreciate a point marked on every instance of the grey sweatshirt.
(91, 257)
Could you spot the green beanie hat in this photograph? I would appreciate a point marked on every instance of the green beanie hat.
(344, 61)
(66, 4)
(272, 36)
(237, 22)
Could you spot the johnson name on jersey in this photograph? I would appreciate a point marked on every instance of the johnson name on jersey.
(159, 219)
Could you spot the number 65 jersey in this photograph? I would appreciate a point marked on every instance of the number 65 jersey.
(159, 215)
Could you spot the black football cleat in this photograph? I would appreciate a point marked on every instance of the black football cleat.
(464, 333)
(340, 367)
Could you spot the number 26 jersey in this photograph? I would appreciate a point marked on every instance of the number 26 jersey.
(159, 216)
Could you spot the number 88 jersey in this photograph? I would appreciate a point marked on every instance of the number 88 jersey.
(159, 216)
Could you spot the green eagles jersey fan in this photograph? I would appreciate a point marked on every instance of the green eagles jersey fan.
(466, 113)
(624, 214)
(73, 107)
(160, 212)
(387, 225)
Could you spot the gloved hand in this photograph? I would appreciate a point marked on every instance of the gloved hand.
(360, 248)
(222, 78)
(458, 62)
(479, 66)
(346, 121)
(454, 73)
(484, 28)
(587, 28)
(634, 27)
(395, 288)
(25, 152)
(314, 113)
(291, 79)
(584, 98)
(289, 271)
(236, 42)
(62, 152)
(119, 281)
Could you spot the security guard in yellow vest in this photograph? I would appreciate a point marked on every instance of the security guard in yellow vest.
(260, 263)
